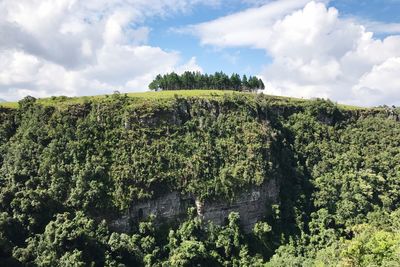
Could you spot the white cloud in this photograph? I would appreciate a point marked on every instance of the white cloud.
(17, 67)
(191, 65)
(315, 52)
(28, 75)
(234, 30)
(381, 83)
(379, 27)
(76, 47)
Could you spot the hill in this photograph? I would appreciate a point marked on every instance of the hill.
(196, 178)
(64, 101)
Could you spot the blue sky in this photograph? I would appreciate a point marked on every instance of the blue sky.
(248, 60)
(380, 10)
(211, 59)
(345, 50)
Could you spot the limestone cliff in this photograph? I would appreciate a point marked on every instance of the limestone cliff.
(252, 205)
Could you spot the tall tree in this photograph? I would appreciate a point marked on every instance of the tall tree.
(195, 80)
(236, 81)
(245, 84)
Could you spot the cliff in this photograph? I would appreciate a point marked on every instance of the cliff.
(219, 153)
(252, 205)
(108, 180)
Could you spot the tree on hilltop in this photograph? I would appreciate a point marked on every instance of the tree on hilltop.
(195, 80)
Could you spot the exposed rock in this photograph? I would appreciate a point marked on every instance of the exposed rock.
(168, 206)
(325, 119)
(175, 116)
(252, 206)
(122, 225)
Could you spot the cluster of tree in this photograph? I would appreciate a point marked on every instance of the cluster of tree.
(65, 173)
(196, 80)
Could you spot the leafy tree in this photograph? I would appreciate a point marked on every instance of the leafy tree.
(195, 80)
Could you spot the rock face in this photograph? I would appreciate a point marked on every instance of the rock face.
(169, 206)
(251, 204)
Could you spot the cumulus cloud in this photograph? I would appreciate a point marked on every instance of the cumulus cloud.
(73, 47)
(315, 52)
(381, 83)
(246, 28)
(380, 27)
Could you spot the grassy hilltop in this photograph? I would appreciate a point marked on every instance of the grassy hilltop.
(62, 101)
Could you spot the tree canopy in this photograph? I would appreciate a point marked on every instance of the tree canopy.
(67, 172)
(196, 80)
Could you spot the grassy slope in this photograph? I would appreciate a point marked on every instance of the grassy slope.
(63, 101)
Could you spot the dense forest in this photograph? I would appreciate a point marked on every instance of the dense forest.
(67, 171)
(196, 80)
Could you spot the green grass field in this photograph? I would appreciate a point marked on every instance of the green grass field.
(9, 104)
(63, 101)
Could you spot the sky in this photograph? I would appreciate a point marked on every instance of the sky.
(344, 50)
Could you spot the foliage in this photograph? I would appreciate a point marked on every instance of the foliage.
(66, 173)
(195, 80)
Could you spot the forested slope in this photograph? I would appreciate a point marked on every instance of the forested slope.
(68, 170)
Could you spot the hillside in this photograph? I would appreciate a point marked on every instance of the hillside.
(64, 101)
(198, 178)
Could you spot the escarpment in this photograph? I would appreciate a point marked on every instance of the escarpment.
(252, 204)
(231, 167)
(123, 159)
(211, 179)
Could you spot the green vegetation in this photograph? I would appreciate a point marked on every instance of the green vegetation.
(69, 166)
(195, 80)
(64, 101)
